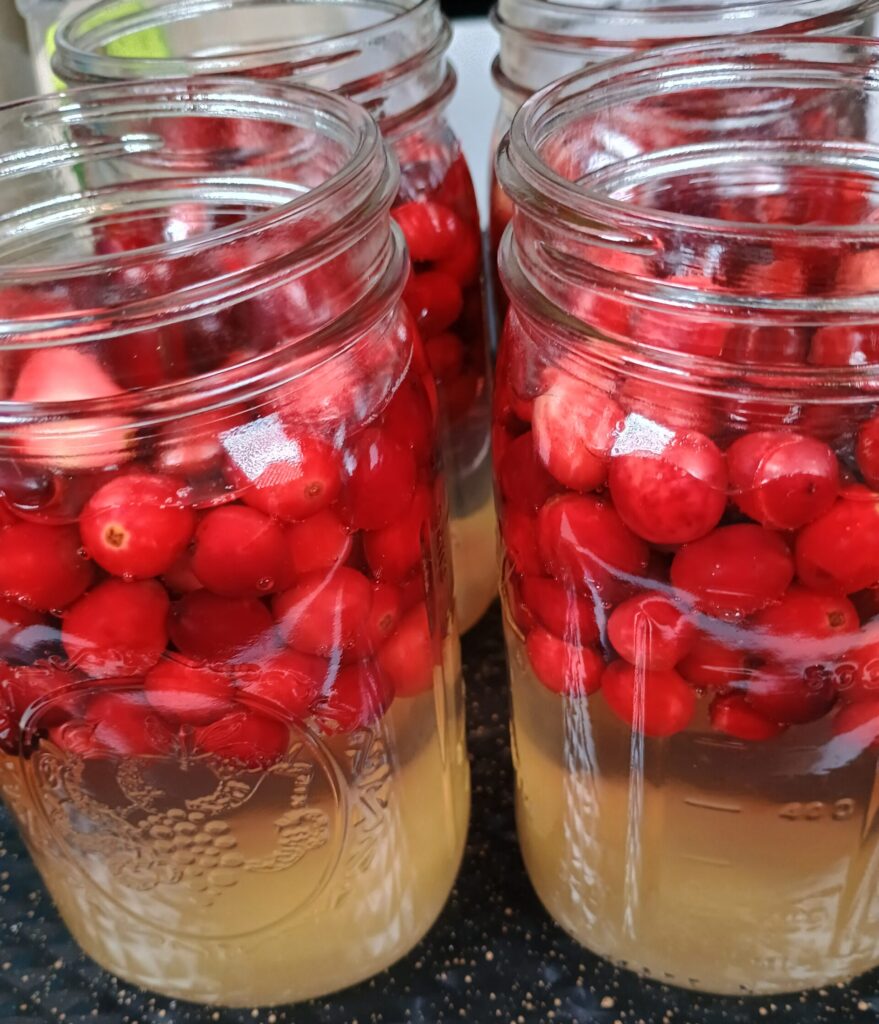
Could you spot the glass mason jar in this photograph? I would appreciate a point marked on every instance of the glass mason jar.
(686, 436)
(392, 60)
(229, 671)
(542, 40)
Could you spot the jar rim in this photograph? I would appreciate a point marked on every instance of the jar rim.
(358, 191)
(562, 26)
(528, 179)
(668, 12)
(418, 24)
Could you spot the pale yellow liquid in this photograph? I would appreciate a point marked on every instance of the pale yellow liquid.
(257, 888)
(699, 860)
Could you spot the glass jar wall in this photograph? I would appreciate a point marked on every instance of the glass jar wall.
(685, 430)
(543, 40)
(230, 702)
(389, 57)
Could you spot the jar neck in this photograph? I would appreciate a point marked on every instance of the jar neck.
(543, 40)
(620, 193)
(389, 57)
(139, 207)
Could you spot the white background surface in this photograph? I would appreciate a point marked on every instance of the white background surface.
(472, 111)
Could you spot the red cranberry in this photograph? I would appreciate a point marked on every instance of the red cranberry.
(655, 703)
(193, 446)
(524, 482)
(650, 630)
(432, 231)
(43, 566)
(838, 552)
(730, 713)
(789, 694)
(381, 480)
(123, 725)
(292, 478)
(394, 552)
(358, 697)
(185, 691)
(782, 480)
(325, 614)
(658, 405)
(575, 427)
(7, 516)
(409, 420)
(239, 552)
(561, 610)
(564, 667)
(413, 591)
(681, 333)
(867, 452)
(435, 301)
(318, 543)
(798, 627)
(671, 489)
(582, 539)
(406, 661)
(68, 375)
(520, 540)
(384, 615)
(857, 725)
(736, 570)
(289, 680)
(845, 346)
(180, 578)
(208, 627)
(245, 738)
(465, 263)
(117, 629)
(135, 526)
(713, 665)
(446, 354)
(767, 345)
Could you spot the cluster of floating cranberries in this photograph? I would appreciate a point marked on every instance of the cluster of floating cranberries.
(682, 558)
(444, 290)
(139, 616)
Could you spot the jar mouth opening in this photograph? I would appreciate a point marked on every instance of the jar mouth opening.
(67, 138)
(586, 201)
(116, 40)
(79, 165)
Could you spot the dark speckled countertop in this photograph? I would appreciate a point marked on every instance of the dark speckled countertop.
(494, 955)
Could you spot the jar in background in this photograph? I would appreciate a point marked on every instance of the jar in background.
(392, 60)
(543, 40)
(231, 721)
(685, 436)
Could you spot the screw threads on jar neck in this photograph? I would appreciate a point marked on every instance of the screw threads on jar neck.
(146, 208)
(543, 40)
(390, 59)
(729, 183)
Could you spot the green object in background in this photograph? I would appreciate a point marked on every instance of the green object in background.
(149, 42)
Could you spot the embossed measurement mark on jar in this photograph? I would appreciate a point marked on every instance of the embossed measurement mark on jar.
(187, 844)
